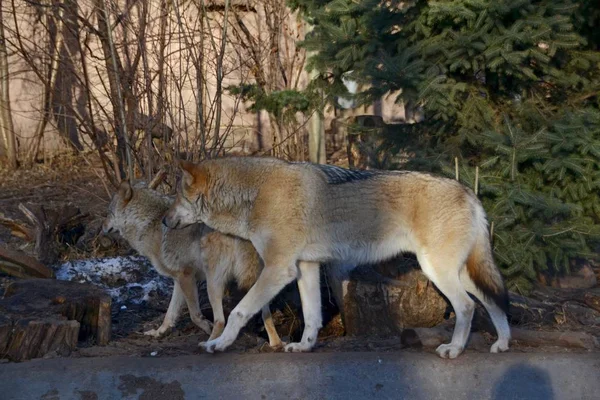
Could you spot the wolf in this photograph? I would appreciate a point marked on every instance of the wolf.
(298, 215)
(196, 252)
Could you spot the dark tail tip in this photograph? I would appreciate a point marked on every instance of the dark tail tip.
(490, 282)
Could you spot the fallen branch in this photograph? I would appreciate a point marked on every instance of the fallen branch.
(20, 265)
(158, 178)
(17, 228)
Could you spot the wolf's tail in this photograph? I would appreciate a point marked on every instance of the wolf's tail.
(481, 267)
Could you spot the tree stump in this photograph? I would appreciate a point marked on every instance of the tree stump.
(42, 316)
(383, 300)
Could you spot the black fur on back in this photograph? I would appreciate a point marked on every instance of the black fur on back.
(337, 175)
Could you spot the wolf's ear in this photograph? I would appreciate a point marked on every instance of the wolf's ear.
(125, 191)
(188, 172)
(195, 177)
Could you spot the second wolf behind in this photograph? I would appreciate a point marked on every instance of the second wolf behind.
(196, 252)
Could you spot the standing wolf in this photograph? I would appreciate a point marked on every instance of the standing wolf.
(185, 255)
(299, 214)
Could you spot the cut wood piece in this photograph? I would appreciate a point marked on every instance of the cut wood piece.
(40, 316)
(19, 264)
(33, 338)
(383, 300)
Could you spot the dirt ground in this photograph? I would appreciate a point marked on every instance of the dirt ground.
(76, 182)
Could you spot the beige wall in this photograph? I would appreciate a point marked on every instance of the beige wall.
(181, 90)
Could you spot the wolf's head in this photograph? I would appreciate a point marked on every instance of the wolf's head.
(115, 219)
(189, 206)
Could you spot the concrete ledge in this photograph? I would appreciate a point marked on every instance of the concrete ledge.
(308, 376)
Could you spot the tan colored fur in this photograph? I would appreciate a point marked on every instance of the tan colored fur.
(195, 252)
(298, 215)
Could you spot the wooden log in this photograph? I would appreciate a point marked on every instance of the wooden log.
(587, 297)
(40, 316)
(592, 298)
(19, 264)
(433, 337)
(555, 307)
(382, 300)
(570, 339)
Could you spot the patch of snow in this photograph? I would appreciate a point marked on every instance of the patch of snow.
(127, 279)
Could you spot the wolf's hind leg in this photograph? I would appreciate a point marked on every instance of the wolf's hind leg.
(272, 279)
(187, 281)
(310, 294)
(172, 314)
(444, 273)
(274, 340)
(215, 289)
(498, 316)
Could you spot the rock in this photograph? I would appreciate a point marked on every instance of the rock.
(42, 316)
(385, 299)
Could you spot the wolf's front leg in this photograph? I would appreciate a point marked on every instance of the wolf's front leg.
(272, 279)
(187, 281)
(172, 314)
(310, 295)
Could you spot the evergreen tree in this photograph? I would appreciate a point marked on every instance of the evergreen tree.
(509, 86)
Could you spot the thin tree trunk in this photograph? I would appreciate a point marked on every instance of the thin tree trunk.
(6, 123)
(153, 122)
(218, 95)
(114, 69)
(48, 89)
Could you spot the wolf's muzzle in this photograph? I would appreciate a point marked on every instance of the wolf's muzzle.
(169, 225)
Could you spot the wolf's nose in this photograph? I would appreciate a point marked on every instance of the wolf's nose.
(164, 221)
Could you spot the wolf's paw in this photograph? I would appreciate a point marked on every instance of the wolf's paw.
(157, 333)
(153, 333)
(297, 347)
(449, 350)
(277, 345)
(217, 344)
(205, 325)
(499, 346)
